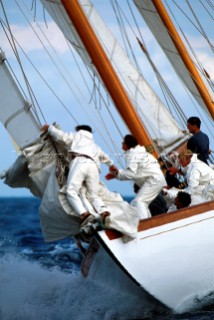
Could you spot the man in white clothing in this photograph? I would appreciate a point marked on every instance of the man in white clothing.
(84, 169)
(144, 170)
(199, 177)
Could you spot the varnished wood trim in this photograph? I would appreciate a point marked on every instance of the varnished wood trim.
(175, 215)
(113, 234)
(165, 218)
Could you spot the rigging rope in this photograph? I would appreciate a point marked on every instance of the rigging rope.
(96, 88)
(208, 12)
(200, 26)
(208, 123)
(68, 84)
(119, 17)
(102, 133)
(200, 31)
(165, 90)
(69, 74)
(16, 78)
(97, 96)
(198, 65)
(13, 46)
(49, 55)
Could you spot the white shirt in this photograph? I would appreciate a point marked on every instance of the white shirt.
(198, 175)
(81, 142)
(140, 166)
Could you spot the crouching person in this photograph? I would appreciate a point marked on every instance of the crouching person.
(144, 170)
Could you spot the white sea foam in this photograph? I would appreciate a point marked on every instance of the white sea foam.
(197, 302)
(29, 291)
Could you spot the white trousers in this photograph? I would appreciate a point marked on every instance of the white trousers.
(84, 171)
(146, 194)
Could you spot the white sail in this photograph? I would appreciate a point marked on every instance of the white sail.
(162, 35)
(15, 113)
(158, 122)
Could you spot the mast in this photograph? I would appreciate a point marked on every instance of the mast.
(107, 73)
(184, 55)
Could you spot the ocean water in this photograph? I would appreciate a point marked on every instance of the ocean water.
(42, 281)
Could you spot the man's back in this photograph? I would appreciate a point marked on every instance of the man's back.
(199, 144)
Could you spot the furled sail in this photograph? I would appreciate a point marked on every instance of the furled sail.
(158, 122)
(162, 28)
(15, 112)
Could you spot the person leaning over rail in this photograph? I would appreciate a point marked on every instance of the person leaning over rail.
(199, 177)
(158, 205)
(84, 168)
(199, 141)
(144, 170)
(172, 170)
(182, 200)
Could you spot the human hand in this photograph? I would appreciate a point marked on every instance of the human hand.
(173, 170)
(110, 176)
(44, 128)
(113, 169)
(165, 190)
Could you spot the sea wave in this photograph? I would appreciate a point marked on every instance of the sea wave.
(43, 281)
(30, 291)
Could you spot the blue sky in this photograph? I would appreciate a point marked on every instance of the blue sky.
(50, 105)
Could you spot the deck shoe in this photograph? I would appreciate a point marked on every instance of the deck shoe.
(88, 218)
(92, 226)
(97, 225)
(104, 215)
(87, 229)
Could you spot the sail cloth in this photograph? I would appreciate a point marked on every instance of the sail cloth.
(158, 122)
(59, 220)
(15, 113)
(39, 168)
(162, 35)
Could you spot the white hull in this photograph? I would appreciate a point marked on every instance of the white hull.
(173, 262)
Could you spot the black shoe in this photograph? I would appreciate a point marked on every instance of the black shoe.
(87, 220)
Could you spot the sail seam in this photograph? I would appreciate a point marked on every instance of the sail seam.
(13, 116)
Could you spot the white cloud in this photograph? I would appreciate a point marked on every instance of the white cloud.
(32, 39)
(207, 62)
(203, 53)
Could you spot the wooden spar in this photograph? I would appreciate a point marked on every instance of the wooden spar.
(184, 56)
(107, 73)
